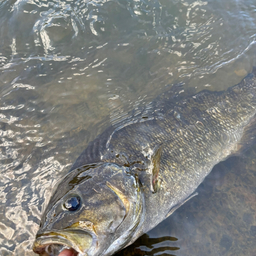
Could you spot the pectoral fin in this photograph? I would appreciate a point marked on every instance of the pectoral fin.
(155, 158)
(149, 176)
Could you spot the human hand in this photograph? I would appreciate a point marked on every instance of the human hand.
(67, 252)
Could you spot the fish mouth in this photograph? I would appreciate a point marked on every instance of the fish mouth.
(52, 243)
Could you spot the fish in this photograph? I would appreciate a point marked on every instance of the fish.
(143, 168)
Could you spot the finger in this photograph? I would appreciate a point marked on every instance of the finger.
(67, 252)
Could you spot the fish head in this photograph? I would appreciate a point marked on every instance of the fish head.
(95, 210)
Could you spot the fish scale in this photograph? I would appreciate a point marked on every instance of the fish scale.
(148, 165)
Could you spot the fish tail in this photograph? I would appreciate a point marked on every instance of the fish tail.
(245, 105)
(244, 93)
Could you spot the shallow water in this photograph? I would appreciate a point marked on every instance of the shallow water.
(70, 68)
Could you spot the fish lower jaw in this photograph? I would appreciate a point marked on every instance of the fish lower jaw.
(55, 249)
(52, 245)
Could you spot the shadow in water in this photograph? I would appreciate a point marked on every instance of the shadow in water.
(146, 245)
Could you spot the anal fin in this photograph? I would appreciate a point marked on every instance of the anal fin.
(173, 209)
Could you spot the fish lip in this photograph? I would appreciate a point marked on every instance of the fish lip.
(59, 237)
(44, 240)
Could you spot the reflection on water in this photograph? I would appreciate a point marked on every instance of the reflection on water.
(69, 68)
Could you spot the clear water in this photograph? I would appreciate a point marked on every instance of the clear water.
(70, 68)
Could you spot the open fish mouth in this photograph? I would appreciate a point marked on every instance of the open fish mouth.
(53, 250)
(51, 244)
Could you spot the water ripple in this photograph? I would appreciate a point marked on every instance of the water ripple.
(70, 68)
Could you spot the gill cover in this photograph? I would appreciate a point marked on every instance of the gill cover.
(96, 209)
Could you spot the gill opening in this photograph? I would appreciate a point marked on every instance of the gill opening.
(121, 196)
(126, 238)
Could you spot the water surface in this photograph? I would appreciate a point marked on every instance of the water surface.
(70, 68)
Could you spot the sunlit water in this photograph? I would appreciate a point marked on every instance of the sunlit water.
(70, 68)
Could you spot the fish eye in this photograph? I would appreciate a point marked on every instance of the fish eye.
(73, 203)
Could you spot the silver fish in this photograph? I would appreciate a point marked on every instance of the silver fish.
(137, 173)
